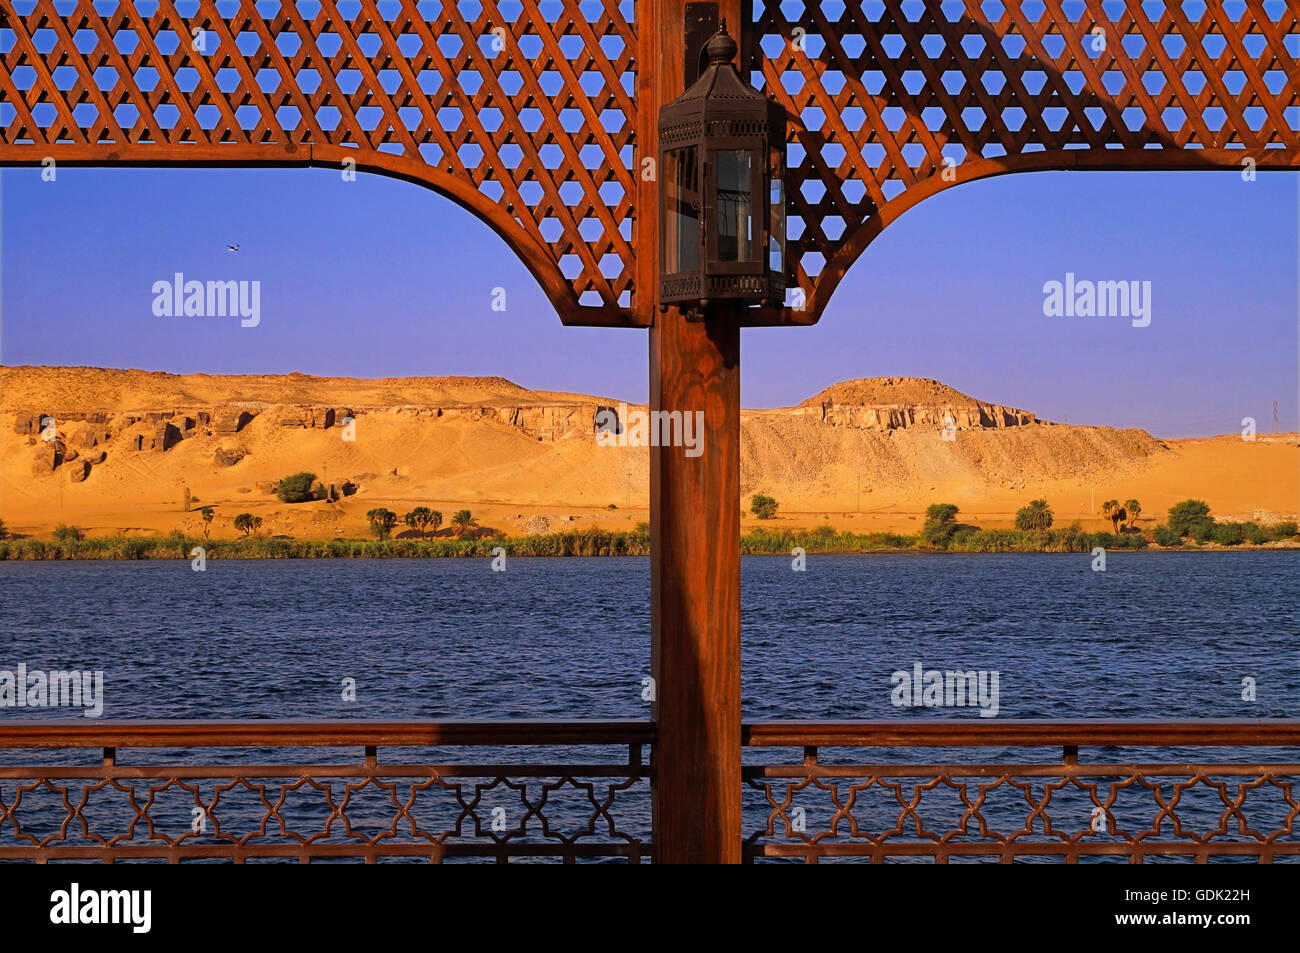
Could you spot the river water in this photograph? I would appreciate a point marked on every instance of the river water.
(1156, 635)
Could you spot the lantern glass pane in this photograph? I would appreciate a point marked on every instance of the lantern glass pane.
(736, 205)
(681, 211)
(776, 224)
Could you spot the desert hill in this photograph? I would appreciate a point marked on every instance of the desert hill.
(869, 454)
(113, 389)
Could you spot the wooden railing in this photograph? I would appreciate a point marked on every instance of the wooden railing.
(996, 796)
(203, 798)
(466, 790)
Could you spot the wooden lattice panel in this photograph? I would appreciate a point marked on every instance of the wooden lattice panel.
(887, 90)
(1183, 812)
(522, 111)
(525, 111)
(367, 800)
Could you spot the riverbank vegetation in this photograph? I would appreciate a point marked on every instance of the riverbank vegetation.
(1190, 526)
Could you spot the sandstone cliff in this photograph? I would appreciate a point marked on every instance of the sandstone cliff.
(891, 403)
(120, 449)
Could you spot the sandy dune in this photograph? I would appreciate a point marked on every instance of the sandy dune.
(867, 454)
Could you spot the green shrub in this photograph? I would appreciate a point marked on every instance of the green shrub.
(940, 524)
(962, 535)
(938, 534)
(297, 488)
(1227, 534)
(941, 513)
(1071, 539)
(1283, 530)
(68, 534)
(1255, 533)
(764, 507)
(995, 541)
(1187, 514)
(1165, 536)
(1117, 541)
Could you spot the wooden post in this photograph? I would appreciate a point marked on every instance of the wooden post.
(694, 513)
(695, 591)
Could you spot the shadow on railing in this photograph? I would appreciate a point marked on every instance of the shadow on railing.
(192, 792)
(988, 798)
(465, 790)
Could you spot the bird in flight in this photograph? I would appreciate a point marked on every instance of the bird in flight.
(234, 247)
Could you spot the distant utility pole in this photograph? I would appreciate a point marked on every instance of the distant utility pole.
(1092, 504)
(1274, 416)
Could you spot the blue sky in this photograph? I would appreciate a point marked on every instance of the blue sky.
(382, 278)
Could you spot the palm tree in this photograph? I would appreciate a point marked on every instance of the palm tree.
(1134, 509)
(381, 521)
(246, 523)
(419, 519)
(463, 523)
(207, 513)
(1108, 508)
(1037, 515)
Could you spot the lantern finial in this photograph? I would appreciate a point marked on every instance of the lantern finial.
(721, 48)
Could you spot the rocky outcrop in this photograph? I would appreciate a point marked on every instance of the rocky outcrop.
(165, 436)
(90, 437)
(544, 421)
(311, 418)
(963, 417)
(48, 456)
(230, 420)
(893, 403)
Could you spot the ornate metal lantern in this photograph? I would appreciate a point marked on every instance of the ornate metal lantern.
(722, 188)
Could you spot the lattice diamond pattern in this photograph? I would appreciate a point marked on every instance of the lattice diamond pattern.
(529, 102)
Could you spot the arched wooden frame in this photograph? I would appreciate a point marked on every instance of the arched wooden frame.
(886, 91)
(528, 112)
